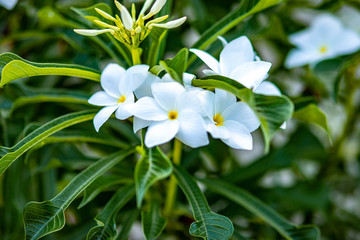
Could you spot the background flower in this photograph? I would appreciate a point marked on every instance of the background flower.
(326, 38)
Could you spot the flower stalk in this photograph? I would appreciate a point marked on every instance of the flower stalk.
(172, 185)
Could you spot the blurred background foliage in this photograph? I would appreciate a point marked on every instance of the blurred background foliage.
(309, 176)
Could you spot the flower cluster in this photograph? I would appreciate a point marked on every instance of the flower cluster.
(128, 29)
(326, 38)
(171, 110)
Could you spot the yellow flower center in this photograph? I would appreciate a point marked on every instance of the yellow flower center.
(122, 99)
(218, 119)
(173, 115)
(323, 49)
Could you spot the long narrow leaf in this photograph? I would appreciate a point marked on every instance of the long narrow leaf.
(260, 209)
(13, 67)
(106, 228)
(47, 217)
(9, 155)
(151, 168)
(208, 225)
(244, 10)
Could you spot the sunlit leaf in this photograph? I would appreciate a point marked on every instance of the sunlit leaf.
(13, 67)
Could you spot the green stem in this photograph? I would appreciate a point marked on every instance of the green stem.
(170, 197)
(135, 53)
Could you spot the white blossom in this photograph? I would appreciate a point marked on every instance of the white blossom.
(326, 38)
(238, 62)
(8, 4)
(172, 112)
(119, 86)
(229, 120)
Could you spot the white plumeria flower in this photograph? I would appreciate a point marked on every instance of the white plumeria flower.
(237, 61)
(119, 86)
(326, 38)
(230, 121)
(8, 4)
(172, 112)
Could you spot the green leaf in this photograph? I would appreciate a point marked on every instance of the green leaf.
(130, 218)
(153, 223)
(260, 209)
(227, 84)
(179, 62)
(208, 225)
(244, 10)
(9, 155)
(151, 167)
(47, 217)
(158, 37)
(99, 185)
(272, 111)
(312, 114)
(175, 66)
(106, 228)
(83, 136)
(50, 96)
(13, 67)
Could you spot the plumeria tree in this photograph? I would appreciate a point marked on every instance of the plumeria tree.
(164, 119)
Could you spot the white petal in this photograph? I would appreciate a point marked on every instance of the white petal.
(122, 112)
(209, 72)
(145, 89)
(138, 124)
(240, 137)
(146, 6)
(167, 78)
(166, 94)
(161, 132)
(92, 32)
(223, 99)
(223, 41)
(304, 39)
(218, 132)
(125, 16)
(158, 5)
(192, 131)
(348, 42)
(207, 100)
(147, 108)
(8, 4)
(187, 79)
(267, 88)
(189, 100)
(137, 75)
(102, 116)
(209, 60)
(283, 126)
(235, 53)
(251, 74)
(172, 24)
(102, 99)
(326, 26)
(242, 113)
(110, 79)
(297, 58)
